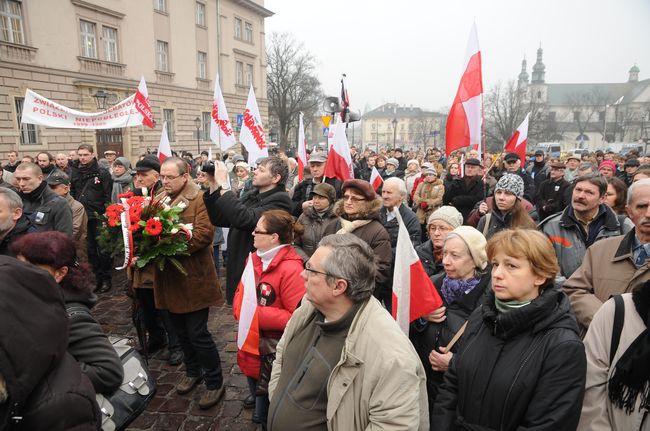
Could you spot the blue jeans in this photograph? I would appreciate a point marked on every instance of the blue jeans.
(217, 258)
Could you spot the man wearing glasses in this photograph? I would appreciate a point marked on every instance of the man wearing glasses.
(343, 363)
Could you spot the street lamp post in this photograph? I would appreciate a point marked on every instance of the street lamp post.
(394, 131)
(197, 124)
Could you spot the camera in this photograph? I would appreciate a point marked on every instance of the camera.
(208, 167)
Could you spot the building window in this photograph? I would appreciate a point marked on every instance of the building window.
(239, 73)
(601, 116)
(109, 35)
(200, 14)
(238, 28)
(205, 125)
(248, 34)
(551, 116)
(202, 64)
(28, 132)
(11, 22)
(162, 53)
(576, 116)
(168, 115)
(160, 5)
(249, 75)
(88, 39)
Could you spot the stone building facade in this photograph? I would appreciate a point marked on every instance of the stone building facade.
(69, 50)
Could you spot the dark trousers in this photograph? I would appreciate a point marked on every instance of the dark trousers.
(261, 402)
(157, 322)
(201, 354)
(101, 262)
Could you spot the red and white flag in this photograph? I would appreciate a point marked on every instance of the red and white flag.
(461, 165)
(339, 160)
(375, 179)
(414, 294)
(252, 133)
(345, 101)
(302, 149)
(466, 113)
(517, 143)
(164, 149)
(221, 132)
(245, 310)
(141, 102)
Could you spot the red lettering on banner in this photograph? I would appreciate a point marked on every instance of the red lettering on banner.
(256, 130)
(48, 113)
(223, 124)
(143, 107)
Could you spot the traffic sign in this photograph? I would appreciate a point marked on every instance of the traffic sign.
(326, 120)
(326, 131)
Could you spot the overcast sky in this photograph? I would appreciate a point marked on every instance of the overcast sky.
(411, 52)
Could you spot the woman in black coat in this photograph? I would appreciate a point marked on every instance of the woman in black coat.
(55, 252)
(521, 364)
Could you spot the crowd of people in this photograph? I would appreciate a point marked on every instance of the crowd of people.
(541, 264)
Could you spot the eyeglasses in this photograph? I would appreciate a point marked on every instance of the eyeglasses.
(309, 269)
(261, 232)
(442, 229)
(352, 198)
(169, 177)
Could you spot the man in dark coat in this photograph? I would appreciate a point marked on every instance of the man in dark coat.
(513, 166)
(92, 186)
(241, 216)
(13, 223)
(554, 194)
(538, 170)
(464, 193)
(302, 192)
(45, 209)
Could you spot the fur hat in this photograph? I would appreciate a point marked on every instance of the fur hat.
(447, 214)
(360, 186)
(511, 183)
(475, 242)
(392, 161)
(413, 161)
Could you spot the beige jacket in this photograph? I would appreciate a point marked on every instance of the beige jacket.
(607, 269)
(79, 227)
(379, 382)
(598, 413)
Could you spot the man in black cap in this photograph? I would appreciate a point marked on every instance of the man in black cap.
(631, 166)
(513, 165)
(464, 193)
(59, 182)
(538, 170)
(301, 193)
(554, 194)
(399, 155)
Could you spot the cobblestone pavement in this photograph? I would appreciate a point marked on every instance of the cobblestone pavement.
(168, 410)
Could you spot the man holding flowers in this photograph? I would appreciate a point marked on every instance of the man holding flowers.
(188, 297)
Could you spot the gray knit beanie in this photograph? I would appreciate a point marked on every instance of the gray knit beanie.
(447, 214)
(511, 183)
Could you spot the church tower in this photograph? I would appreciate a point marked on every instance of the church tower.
(634, 74)
(522, 81)
(539, 70)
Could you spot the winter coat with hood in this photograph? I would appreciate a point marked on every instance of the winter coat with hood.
(316, 227)
(279, 291)
(366, 226)
(524, 369)
(91, 185)
(88, 344)
(39, 379)
(431, 194)
(200, 288)
(475, 216)
(241, 216)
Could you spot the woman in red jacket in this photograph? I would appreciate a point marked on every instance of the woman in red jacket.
(279, 291)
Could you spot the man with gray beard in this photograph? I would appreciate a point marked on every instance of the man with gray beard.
(13, 223)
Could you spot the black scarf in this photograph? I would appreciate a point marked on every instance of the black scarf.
(34, 194)
(631, 377)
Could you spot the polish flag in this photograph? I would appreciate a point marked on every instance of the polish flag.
(461, 165)
(164, 149)
(339, 160)
(141, 102)
(221, 132)
(244, 309)
(302, 149)
(375, 179)
(466, 113)
(252, 133)
(413, 292)
(517, 143)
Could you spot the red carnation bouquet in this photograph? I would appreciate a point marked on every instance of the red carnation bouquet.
(145, 230)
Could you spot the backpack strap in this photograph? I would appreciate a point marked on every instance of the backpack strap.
(486, 226)
(619, 318)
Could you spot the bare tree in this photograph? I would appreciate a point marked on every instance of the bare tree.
(422, 130)
(292, 84)
(585, 106)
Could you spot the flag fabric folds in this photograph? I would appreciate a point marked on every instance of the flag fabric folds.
(164, 149)
(221, 132)
(375, 179)
(245, 310)
(302, 149)
(345, 101)
(339, 161)
(517, 143)
(414, 294)
(252, 133)
(466, 113)
(141, 102)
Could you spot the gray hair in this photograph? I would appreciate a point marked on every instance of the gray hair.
(352, 259)
(586, 166)
(180, 164)
(637, 185)
(401, 185)
(12, 198)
